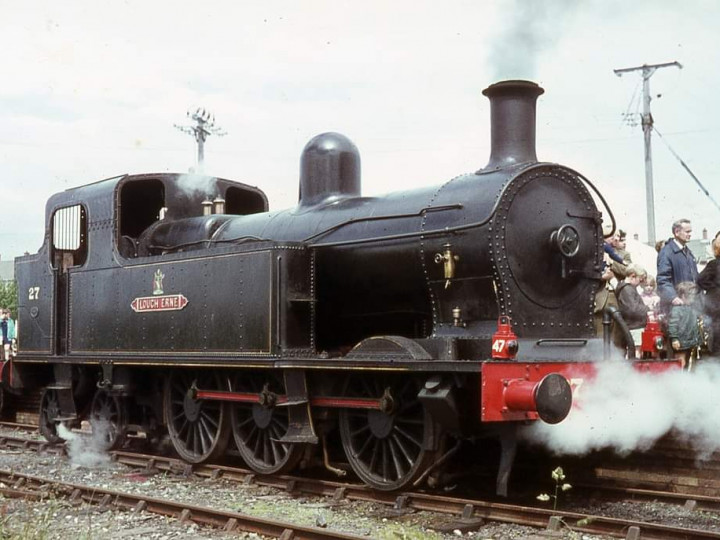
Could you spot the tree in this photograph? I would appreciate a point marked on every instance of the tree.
(8, 296)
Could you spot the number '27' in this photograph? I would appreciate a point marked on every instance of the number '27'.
(33, 293)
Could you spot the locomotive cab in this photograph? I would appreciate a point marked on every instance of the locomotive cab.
(92, 233)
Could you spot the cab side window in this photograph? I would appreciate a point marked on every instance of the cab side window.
(69, 237)
(141, 203)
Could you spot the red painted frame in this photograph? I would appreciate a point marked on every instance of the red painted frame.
(495, 377)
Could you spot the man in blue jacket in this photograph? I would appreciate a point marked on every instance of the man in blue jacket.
(675, 264)
(7, 333)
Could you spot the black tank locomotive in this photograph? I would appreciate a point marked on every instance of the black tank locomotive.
(178, 303)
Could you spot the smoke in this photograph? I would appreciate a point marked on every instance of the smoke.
(624, 410)
(196, 184)
(530, 29)
(87, 451)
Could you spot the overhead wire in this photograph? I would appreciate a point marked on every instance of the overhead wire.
(634, 100)
(697, 180)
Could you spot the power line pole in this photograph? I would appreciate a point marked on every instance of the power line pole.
(647, 125)
(204, 126)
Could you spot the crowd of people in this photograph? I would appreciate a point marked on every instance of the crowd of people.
(687, 302)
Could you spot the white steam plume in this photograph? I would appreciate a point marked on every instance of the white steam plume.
(626, 410)
(193, 184)
(528, 30)
(87, 451)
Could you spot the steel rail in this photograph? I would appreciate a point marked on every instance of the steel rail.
(34, 486)
(467, 508)
(17, 425)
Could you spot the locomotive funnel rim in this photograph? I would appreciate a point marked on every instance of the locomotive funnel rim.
(514, 84)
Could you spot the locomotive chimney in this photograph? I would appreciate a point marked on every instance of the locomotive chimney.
(206, 207)
(512, 122)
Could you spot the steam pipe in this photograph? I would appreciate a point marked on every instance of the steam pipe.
(219, 205)
(607, 327)
(613, 314)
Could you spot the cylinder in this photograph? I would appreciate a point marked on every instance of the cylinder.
(551, 397)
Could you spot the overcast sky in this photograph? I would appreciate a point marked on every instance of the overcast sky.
(92, 90)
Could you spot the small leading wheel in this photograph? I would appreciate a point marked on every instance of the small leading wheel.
(198, 429)
(49, 412)
(258, 427)
(108, 418)
(387, 448)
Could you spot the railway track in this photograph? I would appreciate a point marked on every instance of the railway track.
(37, 488)
(464, 511)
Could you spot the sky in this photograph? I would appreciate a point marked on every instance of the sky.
(94, 89)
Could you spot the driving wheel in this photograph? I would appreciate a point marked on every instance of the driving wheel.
(49, 412)
(259, 427)
(387, 447)
(108, 418)
(197, 428)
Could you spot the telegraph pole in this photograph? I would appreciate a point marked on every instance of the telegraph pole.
(647, 124)
(204, 126)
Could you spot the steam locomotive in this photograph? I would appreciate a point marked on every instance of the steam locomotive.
(179, 304)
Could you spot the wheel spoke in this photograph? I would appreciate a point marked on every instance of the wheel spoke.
(365, 445)
(214, 421)
(195, 439)
(374, 455)
(279, 449)
(410, 437)
(206, 435)
(258, 442)
(403, 449)
(384, 461)
(395, 453)
(361, 429)
(245, 422)
(267, 444)
(280, 424)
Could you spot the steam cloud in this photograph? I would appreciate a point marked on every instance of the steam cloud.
(193, 184)
(625, 410)
(531, 28)
(86, 451)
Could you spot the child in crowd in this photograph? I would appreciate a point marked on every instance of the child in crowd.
(684, 329)
(631, 305)
(649, 296)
